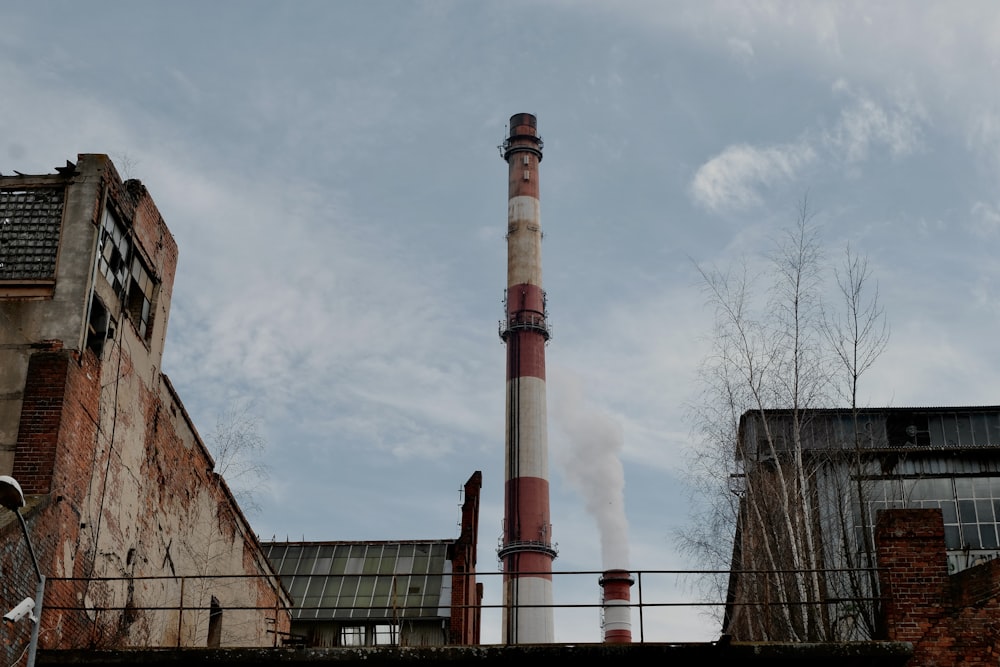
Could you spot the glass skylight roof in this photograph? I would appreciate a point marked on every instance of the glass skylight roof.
(351, 581)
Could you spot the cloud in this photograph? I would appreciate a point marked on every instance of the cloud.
(985, 221)
(293, 295)
(736, 178)
(732, 179)
(740, 49)
(866, 124)
(983, 134)
(45, 125)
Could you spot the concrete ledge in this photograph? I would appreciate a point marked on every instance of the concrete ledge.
(881, 654)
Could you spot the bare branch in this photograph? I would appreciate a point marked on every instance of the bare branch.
(238, 448)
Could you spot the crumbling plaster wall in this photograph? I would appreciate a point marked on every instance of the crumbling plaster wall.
(121, 485)
(27, 321)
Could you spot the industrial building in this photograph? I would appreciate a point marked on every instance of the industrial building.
(387, 593)
(139, 539)
(812, 486)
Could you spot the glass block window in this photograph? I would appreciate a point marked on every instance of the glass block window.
(30, 222)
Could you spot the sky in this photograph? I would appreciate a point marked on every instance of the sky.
(330, 173)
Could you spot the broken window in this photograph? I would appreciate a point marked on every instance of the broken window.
(115, 249)
(99, 326)
(125, 270)
(140, 296)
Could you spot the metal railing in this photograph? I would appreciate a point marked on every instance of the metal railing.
(179, 611)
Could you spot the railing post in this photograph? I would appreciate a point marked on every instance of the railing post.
(642, 627)
(180, 615)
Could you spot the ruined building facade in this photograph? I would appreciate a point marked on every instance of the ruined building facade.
(123, 507)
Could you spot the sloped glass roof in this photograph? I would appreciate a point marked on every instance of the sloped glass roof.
(360, 581)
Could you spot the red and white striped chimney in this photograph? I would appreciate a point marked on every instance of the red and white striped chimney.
(526, 551)
(616, 602)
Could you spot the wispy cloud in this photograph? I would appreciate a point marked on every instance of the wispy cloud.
(983, 134)
(740, 49)
(985, 219)
(739, 176)
(733, 179)
(865, 124)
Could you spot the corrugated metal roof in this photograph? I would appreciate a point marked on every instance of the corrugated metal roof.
(897, 429)
(354, 581)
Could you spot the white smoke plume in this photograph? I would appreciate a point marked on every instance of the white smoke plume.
(591, 463)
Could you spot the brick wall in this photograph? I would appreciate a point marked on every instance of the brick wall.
(53, 456)
(466, 593)
(951, 620)
(41, 418)
(121, 486)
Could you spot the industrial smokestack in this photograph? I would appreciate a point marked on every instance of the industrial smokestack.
(526, 551)
(616, 599)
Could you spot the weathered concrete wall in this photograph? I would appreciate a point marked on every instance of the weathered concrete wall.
(127, 513)
(27, 318)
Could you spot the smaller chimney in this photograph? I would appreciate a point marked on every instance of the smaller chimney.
(615, 586)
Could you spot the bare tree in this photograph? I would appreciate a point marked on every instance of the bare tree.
(857, 333)
(238, 447)
(762, 473)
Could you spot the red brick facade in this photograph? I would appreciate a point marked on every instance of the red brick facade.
(466, 593)
(41, 420)
(949, 619)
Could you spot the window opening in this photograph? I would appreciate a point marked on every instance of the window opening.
(214, 624)
(386, 634)
(140, 296)
(114, 252)
(352, 635)
(970, 507)
(123, 267)
(99, 326)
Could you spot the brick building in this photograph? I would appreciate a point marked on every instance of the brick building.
(386, 593)
(812, 484)
(123, 506)
(950, 618)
